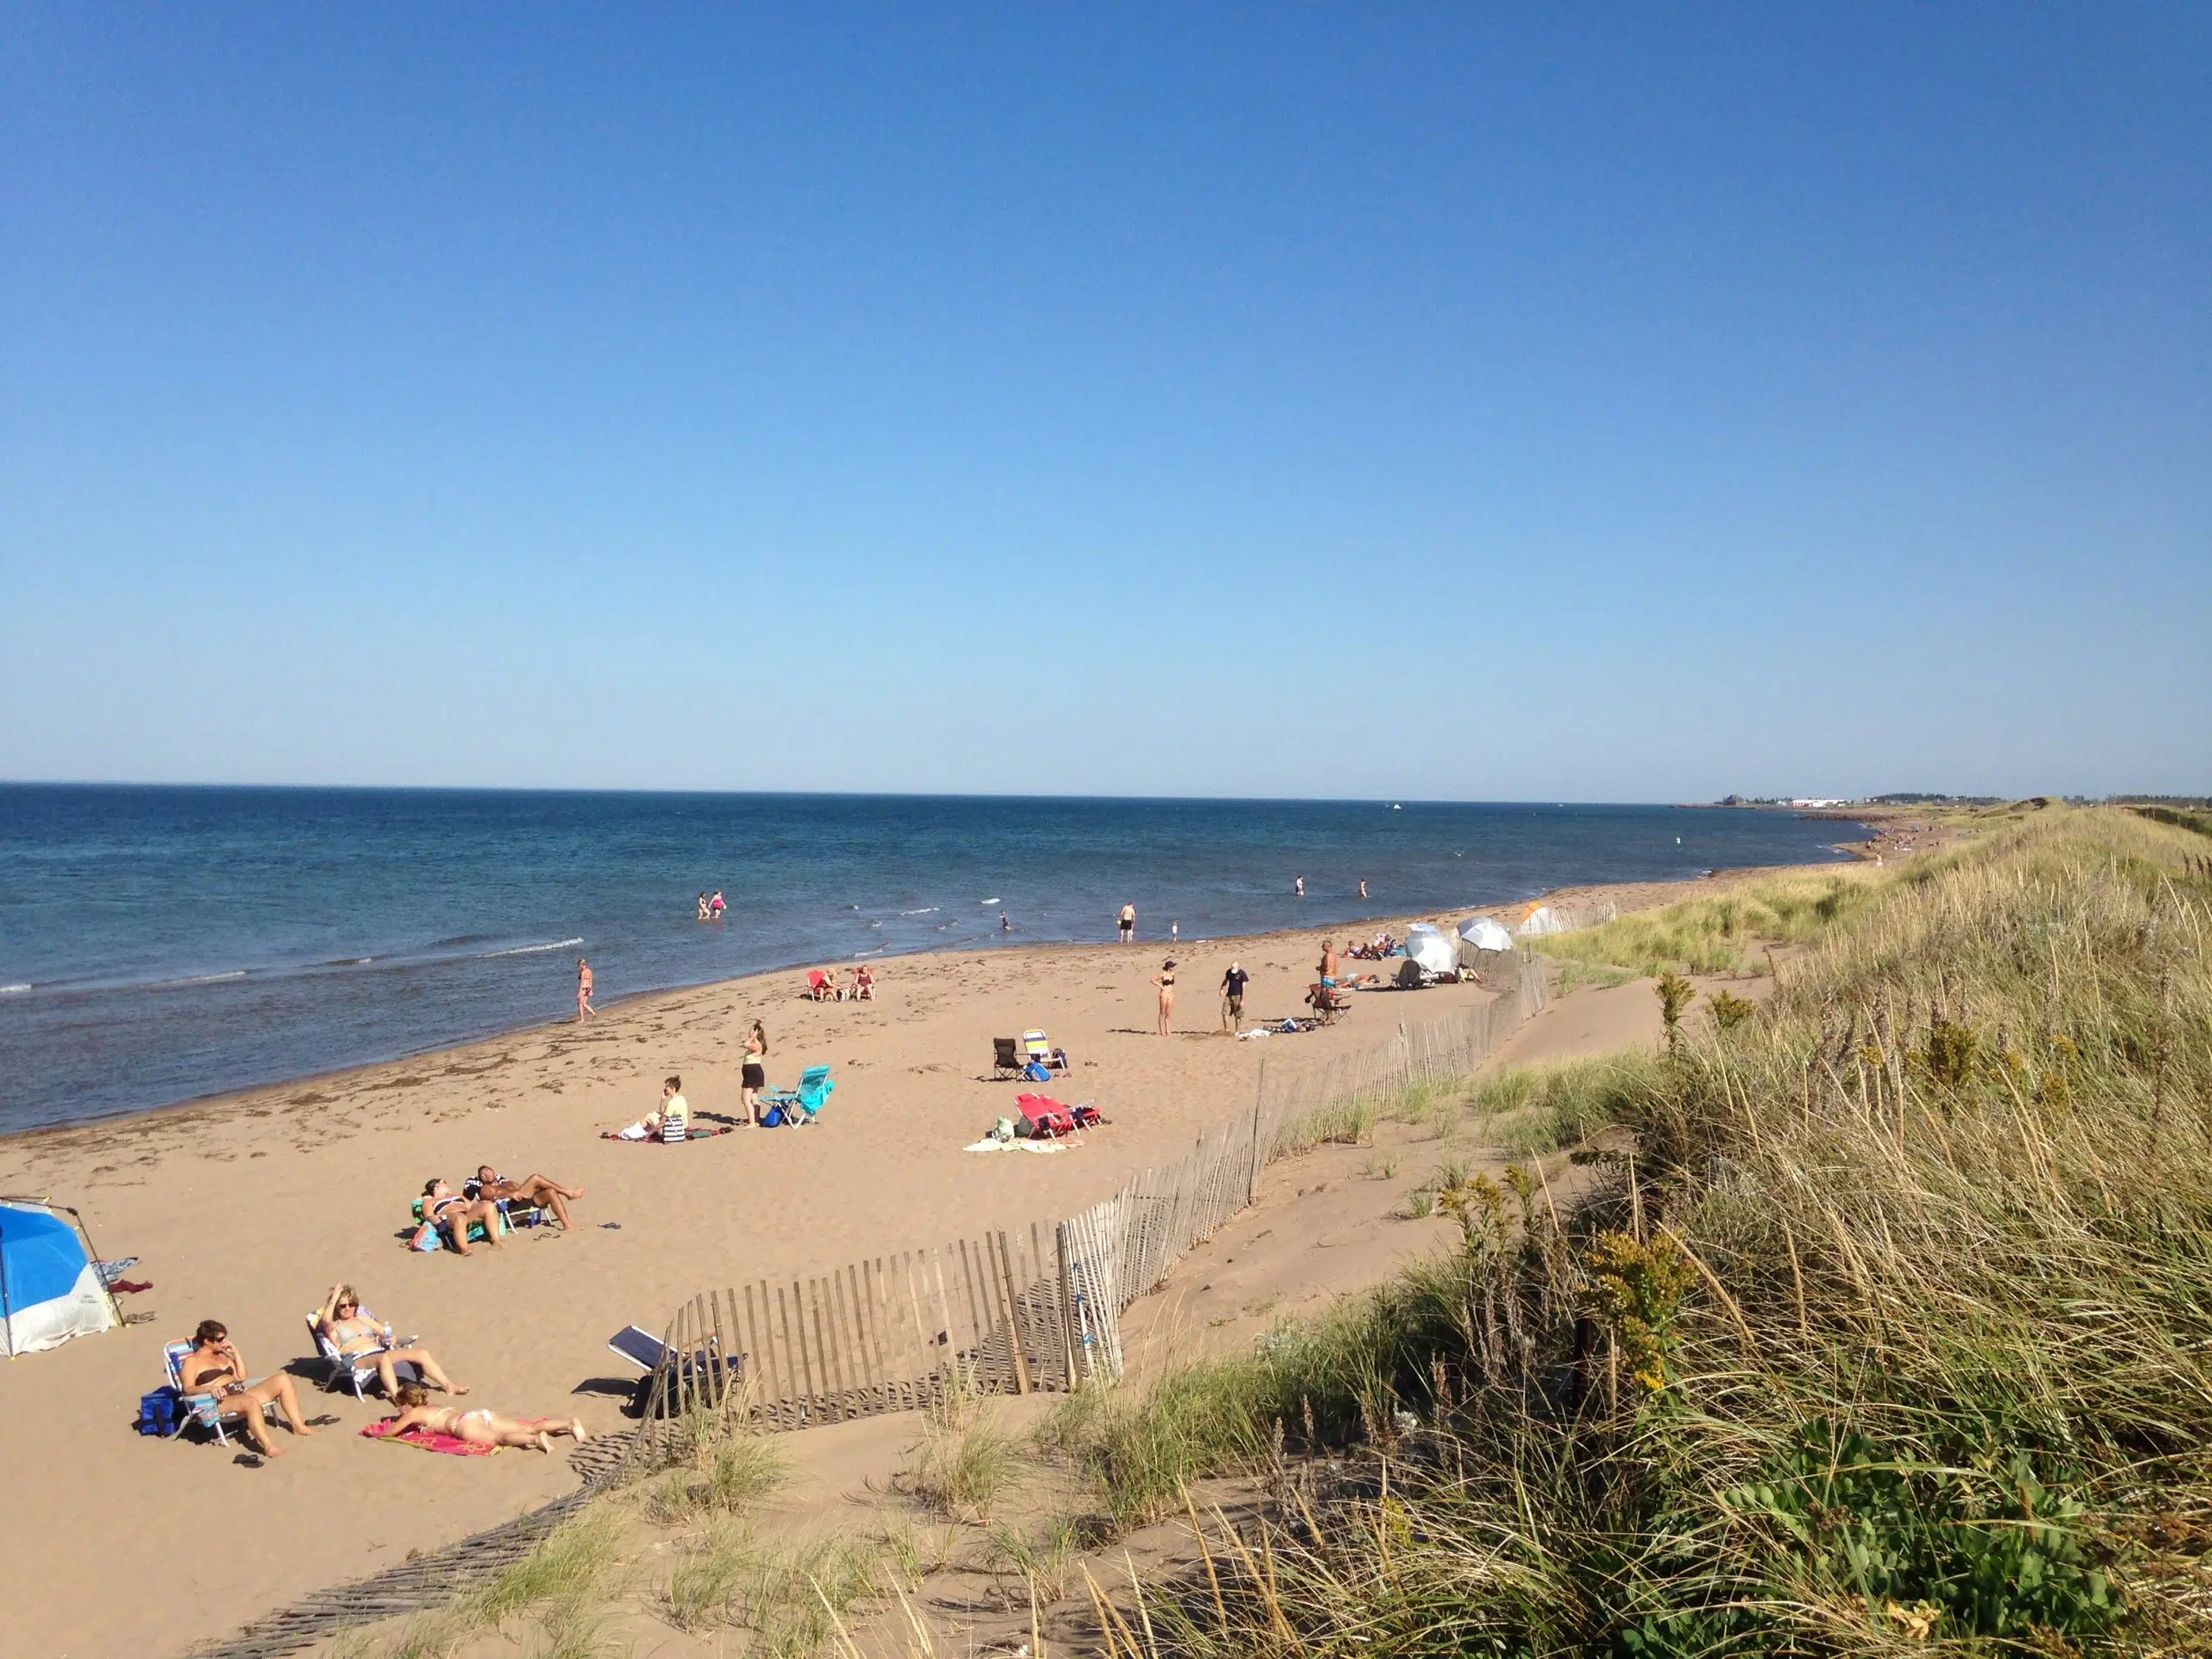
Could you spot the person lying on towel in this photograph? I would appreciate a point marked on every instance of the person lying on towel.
(479, 1427)
(540, 1190)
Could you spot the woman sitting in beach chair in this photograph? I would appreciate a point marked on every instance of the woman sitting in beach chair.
(479, 1427)
(821, 986)
(211, 1369)
(863, 984)
(357, 1341)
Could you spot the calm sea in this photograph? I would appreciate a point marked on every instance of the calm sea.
(159, 943)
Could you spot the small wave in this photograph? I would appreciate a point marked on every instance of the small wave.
(989, 901)
(199, 979)
(529, 949)
(12, 990)
(926, 910)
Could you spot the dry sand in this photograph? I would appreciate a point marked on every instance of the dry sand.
(247, 1209)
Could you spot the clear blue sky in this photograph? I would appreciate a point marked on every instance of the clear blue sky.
(1612, 401)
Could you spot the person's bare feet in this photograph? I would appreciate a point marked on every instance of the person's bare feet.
(576, 1428)
(457, 1388)
(545, 1442)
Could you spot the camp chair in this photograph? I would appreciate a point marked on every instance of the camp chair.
(814, 1087)
(1007, 1059)
(1039, 1049)
(648, 1352)
(204, 1410)
(818, 987)
(358, 1368)
(1328, 1002)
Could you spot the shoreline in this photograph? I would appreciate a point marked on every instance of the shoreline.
(1622, 895)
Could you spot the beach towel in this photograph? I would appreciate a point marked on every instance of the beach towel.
(636, 1135)
(428, 1439)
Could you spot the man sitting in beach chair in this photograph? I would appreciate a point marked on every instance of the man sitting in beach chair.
(459, 1218)
(1328, 1001)
(358, 1345)
(535, 1192)
(211, 1377)
(1039, 1049)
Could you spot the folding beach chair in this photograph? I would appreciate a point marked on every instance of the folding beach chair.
(800, 1104)
(203, 1410)
(1039, 1048)
(1007, 1059)
(648, 1352)
(359, 1369)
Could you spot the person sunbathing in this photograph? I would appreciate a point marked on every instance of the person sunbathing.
(214, 1367)
(479, 1427)
(451, 1214)
(540, 1190)
(356, 1336)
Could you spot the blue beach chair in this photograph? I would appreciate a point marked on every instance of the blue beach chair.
(204, 1410)
(800, 1104)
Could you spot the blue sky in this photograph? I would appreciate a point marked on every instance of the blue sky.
(1583, 402)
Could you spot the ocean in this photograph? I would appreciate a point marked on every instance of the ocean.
(161, 944)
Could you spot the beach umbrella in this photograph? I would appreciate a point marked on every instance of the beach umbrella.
(1484, 934)
(49, 1291)
(1427, 946)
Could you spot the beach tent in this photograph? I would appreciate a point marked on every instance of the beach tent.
(1484, 934)
(1428, 947)
(49, 1291)
(1541, 919)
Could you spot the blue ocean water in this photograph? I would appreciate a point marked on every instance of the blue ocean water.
(160, 944)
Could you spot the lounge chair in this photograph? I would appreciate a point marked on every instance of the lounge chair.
(647, 1351)
(359, 1369)
(822, 987)
(1007, 1059)
(814, 1086)
(1039, 1048)
(205, 1410)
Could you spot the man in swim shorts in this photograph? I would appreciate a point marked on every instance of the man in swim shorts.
(539, 1190)
(1129, 924)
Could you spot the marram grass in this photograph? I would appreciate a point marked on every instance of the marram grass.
(1897, 1340)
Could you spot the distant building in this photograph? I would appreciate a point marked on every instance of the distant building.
(1833, 800)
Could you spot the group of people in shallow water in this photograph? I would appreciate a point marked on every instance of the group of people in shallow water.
(711, 905)
(214, 1366)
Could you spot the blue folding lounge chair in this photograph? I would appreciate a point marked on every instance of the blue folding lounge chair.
(814, 1087)
(203, 1410)
(646, 1352)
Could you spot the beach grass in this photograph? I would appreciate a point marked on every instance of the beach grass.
(1894, 1336)
(1716, 935)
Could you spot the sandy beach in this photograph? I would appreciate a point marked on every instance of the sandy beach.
(246, 1209)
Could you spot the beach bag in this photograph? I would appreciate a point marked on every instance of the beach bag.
(159, 1412)
(1037, 1072)
(426, 1238)
(772, 1118)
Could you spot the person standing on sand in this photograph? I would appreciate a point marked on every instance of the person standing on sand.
(1328, 962)
(1232, 997)
(754, 1077)
(1129, 924)
(584, 1009)
(1165, 980)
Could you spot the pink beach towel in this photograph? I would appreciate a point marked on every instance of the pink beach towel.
(429, 1440)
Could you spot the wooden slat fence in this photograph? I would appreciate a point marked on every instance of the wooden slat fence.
(1037, 1309)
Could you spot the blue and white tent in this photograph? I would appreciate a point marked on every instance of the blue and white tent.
(49, 1290)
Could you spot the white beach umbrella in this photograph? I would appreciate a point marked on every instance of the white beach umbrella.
(1430, 949)
(1484, 934)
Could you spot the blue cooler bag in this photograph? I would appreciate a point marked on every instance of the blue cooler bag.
(159, 1412)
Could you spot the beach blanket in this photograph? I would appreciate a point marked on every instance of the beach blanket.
(428, 1439)
(636, 1135)
(992, 1143)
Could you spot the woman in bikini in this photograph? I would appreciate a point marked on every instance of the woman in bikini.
(584, 1009)
(1165, 980)
(754, 1077)
(356, 1336)
(479, 1427)
(450, 1213)
(213, 1367)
